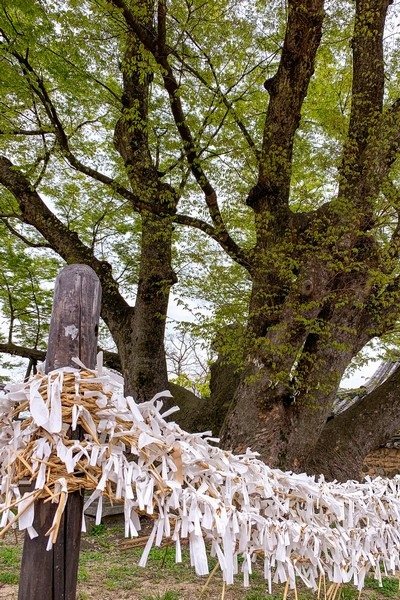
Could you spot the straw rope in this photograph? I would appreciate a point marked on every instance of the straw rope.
(85, 476)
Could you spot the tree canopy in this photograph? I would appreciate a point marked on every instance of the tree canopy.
(244, 153)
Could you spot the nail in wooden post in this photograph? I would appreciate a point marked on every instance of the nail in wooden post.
(52, 574)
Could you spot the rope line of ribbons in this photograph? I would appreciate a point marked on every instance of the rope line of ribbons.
(298, 526)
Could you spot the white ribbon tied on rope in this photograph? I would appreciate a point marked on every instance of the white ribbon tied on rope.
(299, 527)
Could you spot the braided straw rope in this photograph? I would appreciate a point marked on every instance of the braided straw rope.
(85, 476)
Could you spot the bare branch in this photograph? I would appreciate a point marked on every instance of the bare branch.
(111, 359)
(45, 161)
(37, 309)
(237, 253)
(22, 351)
(287, 90)
(21, 237)
(11, 307)
(61, 239)
(27, 132)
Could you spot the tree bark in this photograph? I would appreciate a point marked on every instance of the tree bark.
(349, 437)
(141, 345)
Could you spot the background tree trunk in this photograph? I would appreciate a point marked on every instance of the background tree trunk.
(141, 341)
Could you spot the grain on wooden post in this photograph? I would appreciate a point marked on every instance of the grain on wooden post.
(52, 575)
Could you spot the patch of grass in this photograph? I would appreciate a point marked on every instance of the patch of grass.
(114, 572)
(389, 589)
(9, 578)
(115, 530)
(165, 555)
(119, 572)
(348, 593)
(122, 585)
(97, 530)
(10, 556)
(120, 577)
(166, 596)
(87, 556)
(161, 563)
(260, 595)
(83, 574)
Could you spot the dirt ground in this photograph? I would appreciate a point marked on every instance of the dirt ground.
(109, 570)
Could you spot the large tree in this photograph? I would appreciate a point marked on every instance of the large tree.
(135, 131)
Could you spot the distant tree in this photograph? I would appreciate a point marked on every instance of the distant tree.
(153, 139)
(187, 363)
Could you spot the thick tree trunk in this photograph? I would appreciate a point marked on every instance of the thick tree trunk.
(295, 365)
(349, 437)
(259, 419)
(314, 300)
(141, 341)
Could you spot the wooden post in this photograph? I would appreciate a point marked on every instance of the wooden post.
(52, 574)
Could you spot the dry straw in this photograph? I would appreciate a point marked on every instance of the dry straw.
(297, 526)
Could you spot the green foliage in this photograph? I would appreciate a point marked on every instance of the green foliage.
(10, 578)
(83, 574)
(348, 592)
(221, 52)
(120, 577)
(10, 556)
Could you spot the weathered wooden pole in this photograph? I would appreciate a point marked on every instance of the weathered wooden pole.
(52, 574)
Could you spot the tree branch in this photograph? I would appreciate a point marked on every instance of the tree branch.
(368, 69)
(131, 129)
(229, 105)
(380, 152)
(237, 253)
(392, 194)
(11, 307)
(40, 132)
(23, 238)
(37, 85)
(149, 39)
(89, 75)
(22, 351)
(366, 106)
(111, 359)
(287, 90)
(63, 241)
(161, 24)
(349, 437)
